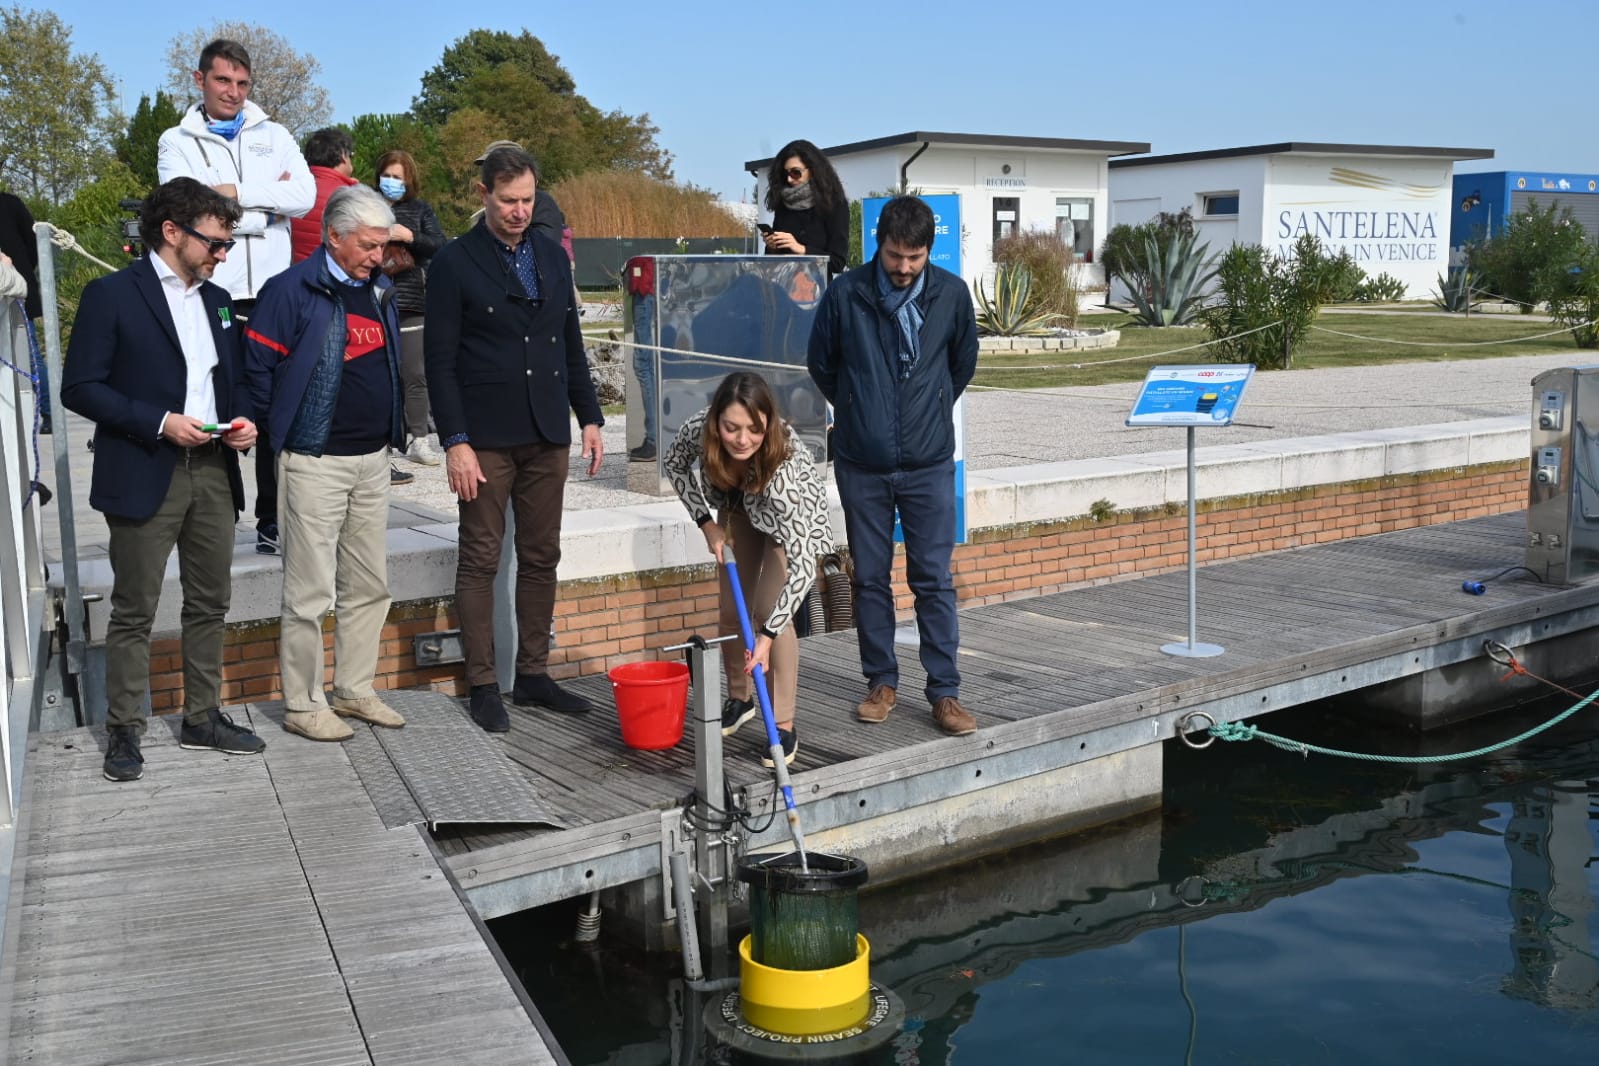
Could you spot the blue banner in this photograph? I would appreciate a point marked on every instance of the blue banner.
(946, 251)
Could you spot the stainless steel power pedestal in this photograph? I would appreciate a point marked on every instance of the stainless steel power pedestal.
(1563, 486)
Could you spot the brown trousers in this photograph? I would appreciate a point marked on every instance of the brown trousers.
(532, 478)
(762, 570)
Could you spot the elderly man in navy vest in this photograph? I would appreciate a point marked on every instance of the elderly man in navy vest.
(155, 362)
(506, 370)
(323, 359)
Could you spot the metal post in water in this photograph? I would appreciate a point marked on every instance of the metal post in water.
(62, 446)
(705, 665)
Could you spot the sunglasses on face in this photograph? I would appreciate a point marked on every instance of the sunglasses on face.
(212, 244)
(795, 172)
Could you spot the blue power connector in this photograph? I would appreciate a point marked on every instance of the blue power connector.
(1475, 588)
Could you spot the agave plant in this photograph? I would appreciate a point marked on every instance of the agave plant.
(1456, 290)
(1011, 312)
(1168, 287)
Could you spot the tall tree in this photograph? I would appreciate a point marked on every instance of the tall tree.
(480, 51)
(527, 96)
(138, 146)
(57, 107)
(283, 81)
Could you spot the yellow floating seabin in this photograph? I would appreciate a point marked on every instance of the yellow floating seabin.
(805, 1002)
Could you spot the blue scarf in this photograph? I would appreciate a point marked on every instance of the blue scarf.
(900, 307)
(226, 130)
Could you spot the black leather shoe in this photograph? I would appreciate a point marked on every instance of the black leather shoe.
(488, 710)
(219, 733)
(123, 760)
(735, 713)
(540, 690)
(789, 739)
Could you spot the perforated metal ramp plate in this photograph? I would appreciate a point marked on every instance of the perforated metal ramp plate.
(441, 768)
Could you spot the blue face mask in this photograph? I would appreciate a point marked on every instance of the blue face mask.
(393, 188)
(228, 129)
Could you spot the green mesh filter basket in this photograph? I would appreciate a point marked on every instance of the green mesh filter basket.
(802, 920)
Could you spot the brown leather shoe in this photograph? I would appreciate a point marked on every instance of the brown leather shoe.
(952, 717)
(876, 706)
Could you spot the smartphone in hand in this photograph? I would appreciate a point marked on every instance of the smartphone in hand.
(763, 228)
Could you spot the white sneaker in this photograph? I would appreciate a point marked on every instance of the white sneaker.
(422, 452)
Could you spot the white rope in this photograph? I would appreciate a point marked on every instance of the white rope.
(67, 242)
(703, 357)
(1455, 344)
(1132, 358)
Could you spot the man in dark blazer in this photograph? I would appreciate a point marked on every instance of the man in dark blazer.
(155, 361)
(506, 369)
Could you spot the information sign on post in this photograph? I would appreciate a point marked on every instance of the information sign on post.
(1191, 396)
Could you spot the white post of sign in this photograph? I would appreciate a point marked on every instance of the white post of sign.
(1193, 649)
(1191, 396)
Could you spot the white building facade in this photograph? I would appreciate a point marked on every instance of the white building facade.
(1388, 206)
(1006, 185)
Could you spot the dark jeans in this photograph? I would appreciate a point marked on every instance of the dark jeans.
(533, 479)
(644, 361)
(925, 499)
(197, 516)
(266, 460)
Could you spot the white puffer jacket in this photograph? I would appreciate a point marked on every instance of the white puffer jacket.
(255, 162)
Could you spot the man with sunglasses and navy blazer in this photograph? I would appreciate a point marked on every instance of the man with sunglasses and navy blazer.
(156, 362)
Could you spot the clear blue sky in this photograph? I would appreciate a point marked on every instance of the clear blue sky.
(728, 82)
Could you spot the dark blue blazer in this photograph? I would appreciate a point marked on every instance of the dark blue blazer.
(500, 368)
(125, 369)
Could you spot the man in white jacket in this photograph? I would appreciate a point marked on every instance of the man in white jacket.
(228, 143)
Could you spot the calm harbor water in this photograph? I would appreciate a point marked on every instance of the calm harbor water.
(1277, 910)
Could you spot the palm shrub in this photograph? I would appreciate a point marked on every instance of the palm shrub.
(1048, 260)
(1575, 306)
(1169, 282)
(1013, 310)
(1457, 290)
(1382, 289)
(1265, 304)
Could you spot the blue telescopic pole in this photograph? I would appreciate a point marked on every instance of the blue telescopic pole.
(780, 769)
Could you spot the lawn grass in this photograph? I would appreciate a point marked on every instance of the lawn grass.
(1141, 348)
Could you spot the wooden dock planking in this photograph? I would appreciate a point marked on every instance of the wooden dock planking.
(357, 949)
(1040, 670)
(241, 910)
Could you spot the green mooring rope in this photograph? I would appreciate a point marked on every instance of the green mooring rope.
(1245, 731)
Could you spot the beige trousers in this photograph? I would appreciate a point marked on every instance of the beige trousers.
(333, 516)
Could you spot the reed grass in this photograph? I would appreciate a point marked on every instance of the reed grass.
(616, 203)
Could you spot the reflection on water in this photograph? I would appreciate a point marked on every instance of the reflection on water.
(1278, 910)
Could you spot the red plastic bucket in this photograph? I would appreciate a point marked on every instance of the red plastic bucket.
(651, 701)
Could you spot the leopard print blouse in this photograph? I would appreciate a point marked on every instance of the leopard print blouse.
(792, 511)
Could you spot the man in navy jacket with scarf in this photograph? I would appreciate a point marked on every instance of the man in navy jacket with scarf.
(323, 360)
(506, 370)
(894, 344)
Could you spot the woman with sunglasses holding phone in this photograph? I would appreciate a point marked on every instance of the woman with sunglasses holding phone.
(810, 214)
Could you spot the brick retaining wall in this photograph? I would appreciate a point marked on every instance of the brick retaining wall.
(601, 622)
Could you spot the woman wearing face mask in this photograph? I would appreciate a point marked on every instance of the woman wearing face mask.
(418, 229)
(810, 214)
(740, 457)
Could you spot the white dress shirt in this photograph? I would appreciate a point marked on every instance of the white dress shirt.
(194, 336)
